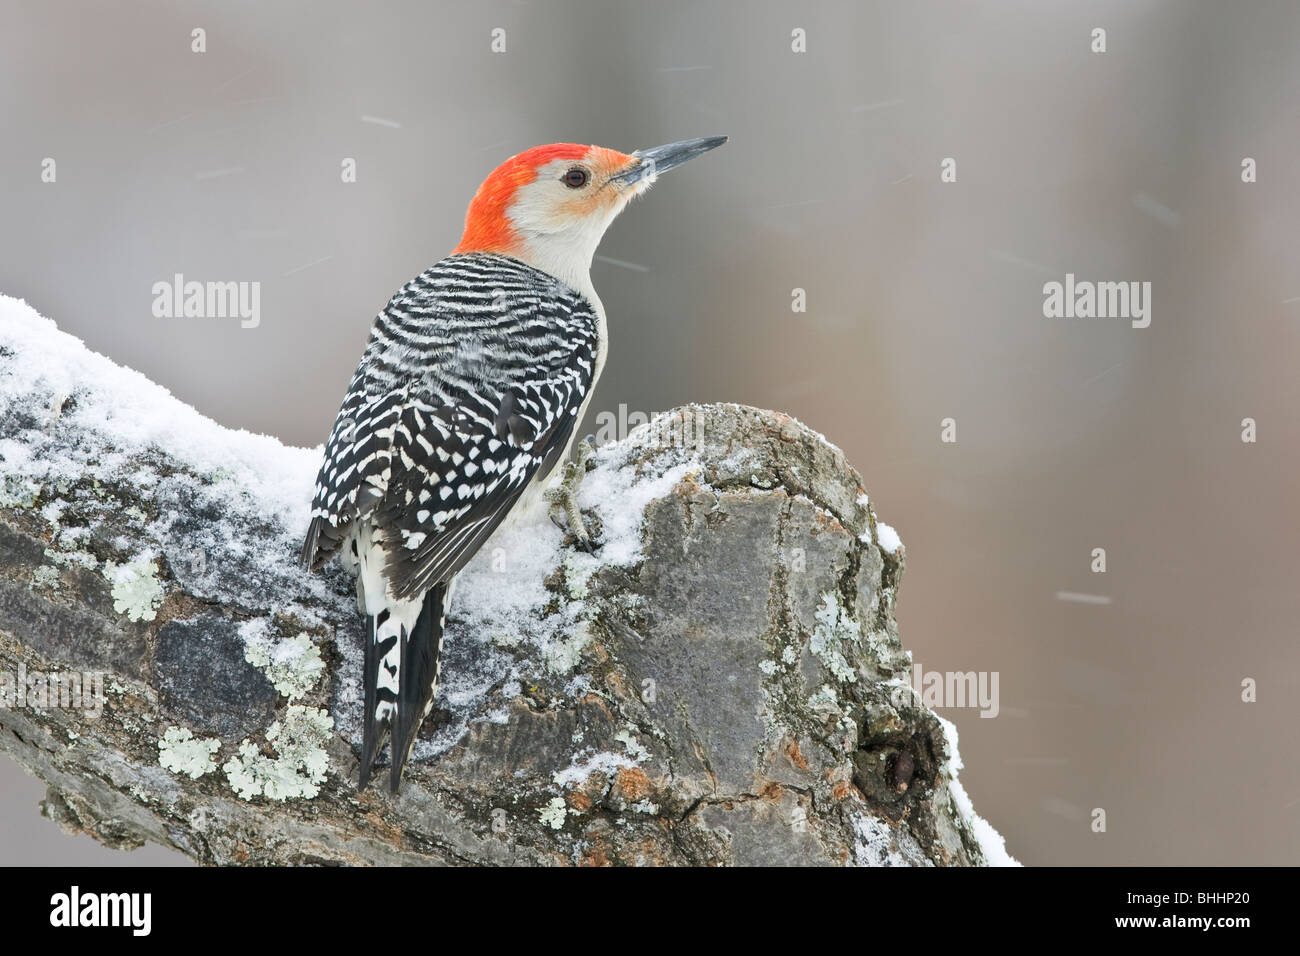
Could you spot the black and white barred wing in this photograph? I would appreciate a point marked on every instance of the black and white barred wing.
(357, 468)
(435, 480)
(470, 388)
(457, 471)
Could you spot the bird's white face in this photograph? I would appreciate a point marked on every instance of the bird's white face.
(561, 216)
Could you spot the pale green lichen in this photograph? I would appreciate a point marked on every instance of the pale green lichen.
(578, 569)
(634, 748)
(879, 643)
(825, 701)
(834, 625)
(826, 704)
(137, 593)
(553, 814)
(181, 752)
(563, 656)
(45, 577)
(767, 667)
(301, 762)
(293, 665)
(18, 492)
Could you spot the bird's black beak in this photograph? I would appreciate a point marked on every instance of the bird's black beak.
(651, 162)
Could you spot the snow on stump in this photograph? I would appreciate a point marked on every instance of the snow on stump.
(721, 682)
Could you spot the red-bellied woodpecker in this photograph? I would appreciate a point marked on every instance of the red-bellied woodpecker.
(469, 392)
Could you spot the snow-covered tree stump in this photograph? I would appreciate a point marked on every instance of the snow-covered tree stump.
(721, 682)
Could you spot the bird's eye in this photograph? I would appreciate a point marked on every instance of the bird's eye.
(576, 178)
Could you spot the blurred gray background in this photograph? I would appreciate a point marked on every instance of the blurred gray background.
(924, 302)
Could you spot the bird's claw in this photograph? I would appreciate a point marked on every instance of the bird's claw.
(564, 510)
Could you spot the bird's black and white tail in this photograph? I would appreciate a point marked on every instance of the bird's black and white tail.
(403, 660)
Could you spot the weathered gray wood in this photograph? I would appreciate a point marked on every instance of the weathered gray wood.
(723, 683)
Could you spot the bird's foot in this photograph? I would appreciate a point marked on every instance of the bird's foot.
(564, 510)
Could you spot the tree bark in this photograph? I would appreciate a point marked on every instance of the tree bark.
(722, 682)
